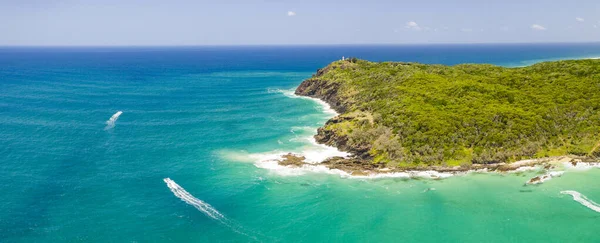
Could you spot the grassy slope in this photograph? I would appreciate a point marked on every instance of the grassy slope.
(410, 114)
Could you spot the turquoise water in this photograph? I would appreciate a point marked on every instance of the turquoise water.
(208, 118)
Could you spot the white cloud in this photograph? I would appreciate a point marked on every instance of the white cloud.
(579, 19)
(466, 30)
(291, 13)
(412, 25)
(537, 27)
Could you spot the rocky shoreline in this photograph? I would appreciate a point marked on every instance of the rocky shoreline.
(361, 164)
(358, 167)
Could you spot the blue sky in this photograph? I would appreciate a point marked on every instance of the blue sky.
(254, 22)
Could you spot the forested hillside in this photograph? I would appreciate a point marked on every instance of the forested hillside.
(407, 114)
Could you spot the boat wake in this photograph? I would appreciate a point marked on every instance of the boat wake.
(111, 122)
(580, 198)
(191, 200)
(204, 207)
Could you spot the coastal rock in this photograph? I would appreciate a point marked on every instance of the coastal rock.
(292, 160)
(543, 178)
(351, 163)
(324, 90)
(331, 138)
(534, 180)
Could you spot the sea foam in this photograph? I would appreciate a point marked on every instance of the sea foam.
(315, 153)
(543, 178)
(326, 108)
(580, 198)
(581, 166)
(270, 161)
(111, 122)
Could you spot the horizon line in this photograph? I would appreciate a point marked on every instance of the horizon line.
(300, 45)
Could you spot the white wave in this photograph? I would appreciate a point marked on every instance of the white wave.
(580, 198)
(526, 168)
(429, 189)
(319, 152)
(326, 108)
(581, 166)
(191, 200)
(428, 174)
(233, 155)
(544, 178)
(111, 122)
(270, 161)
(302, 128)
(315, 153)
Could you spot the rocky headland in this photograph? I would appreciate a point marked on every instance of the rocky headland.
(383, 129)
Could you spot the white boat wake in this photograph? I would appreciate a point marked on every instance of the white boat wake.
(111, 122)
(580, 198)
(191, 200)
(205, 208)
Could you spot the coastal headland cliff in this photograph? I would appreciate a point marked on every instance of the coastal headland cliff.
(397, 116)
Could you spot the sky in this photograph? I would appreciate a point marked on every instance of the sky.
(285, 22)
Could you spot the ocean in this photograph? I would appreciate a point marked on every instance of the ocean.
(172, 144)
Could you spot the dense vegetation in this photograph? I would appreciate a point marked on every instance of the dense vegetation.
(407, 114)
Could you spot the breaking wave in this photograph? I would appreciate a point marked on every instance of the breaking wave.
(111, 122)
(270, 162)
(314, 153)
(326, 108)
(580, 198)
(544, 178)
(191, 200)
(581, 166)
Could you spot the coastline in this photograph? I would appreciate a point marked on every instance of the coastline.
(527, 63)
(359, 163)
(348, 168)
(334, 161)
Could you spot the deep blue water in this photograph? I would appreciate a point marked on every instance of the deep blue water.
(204, 116)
